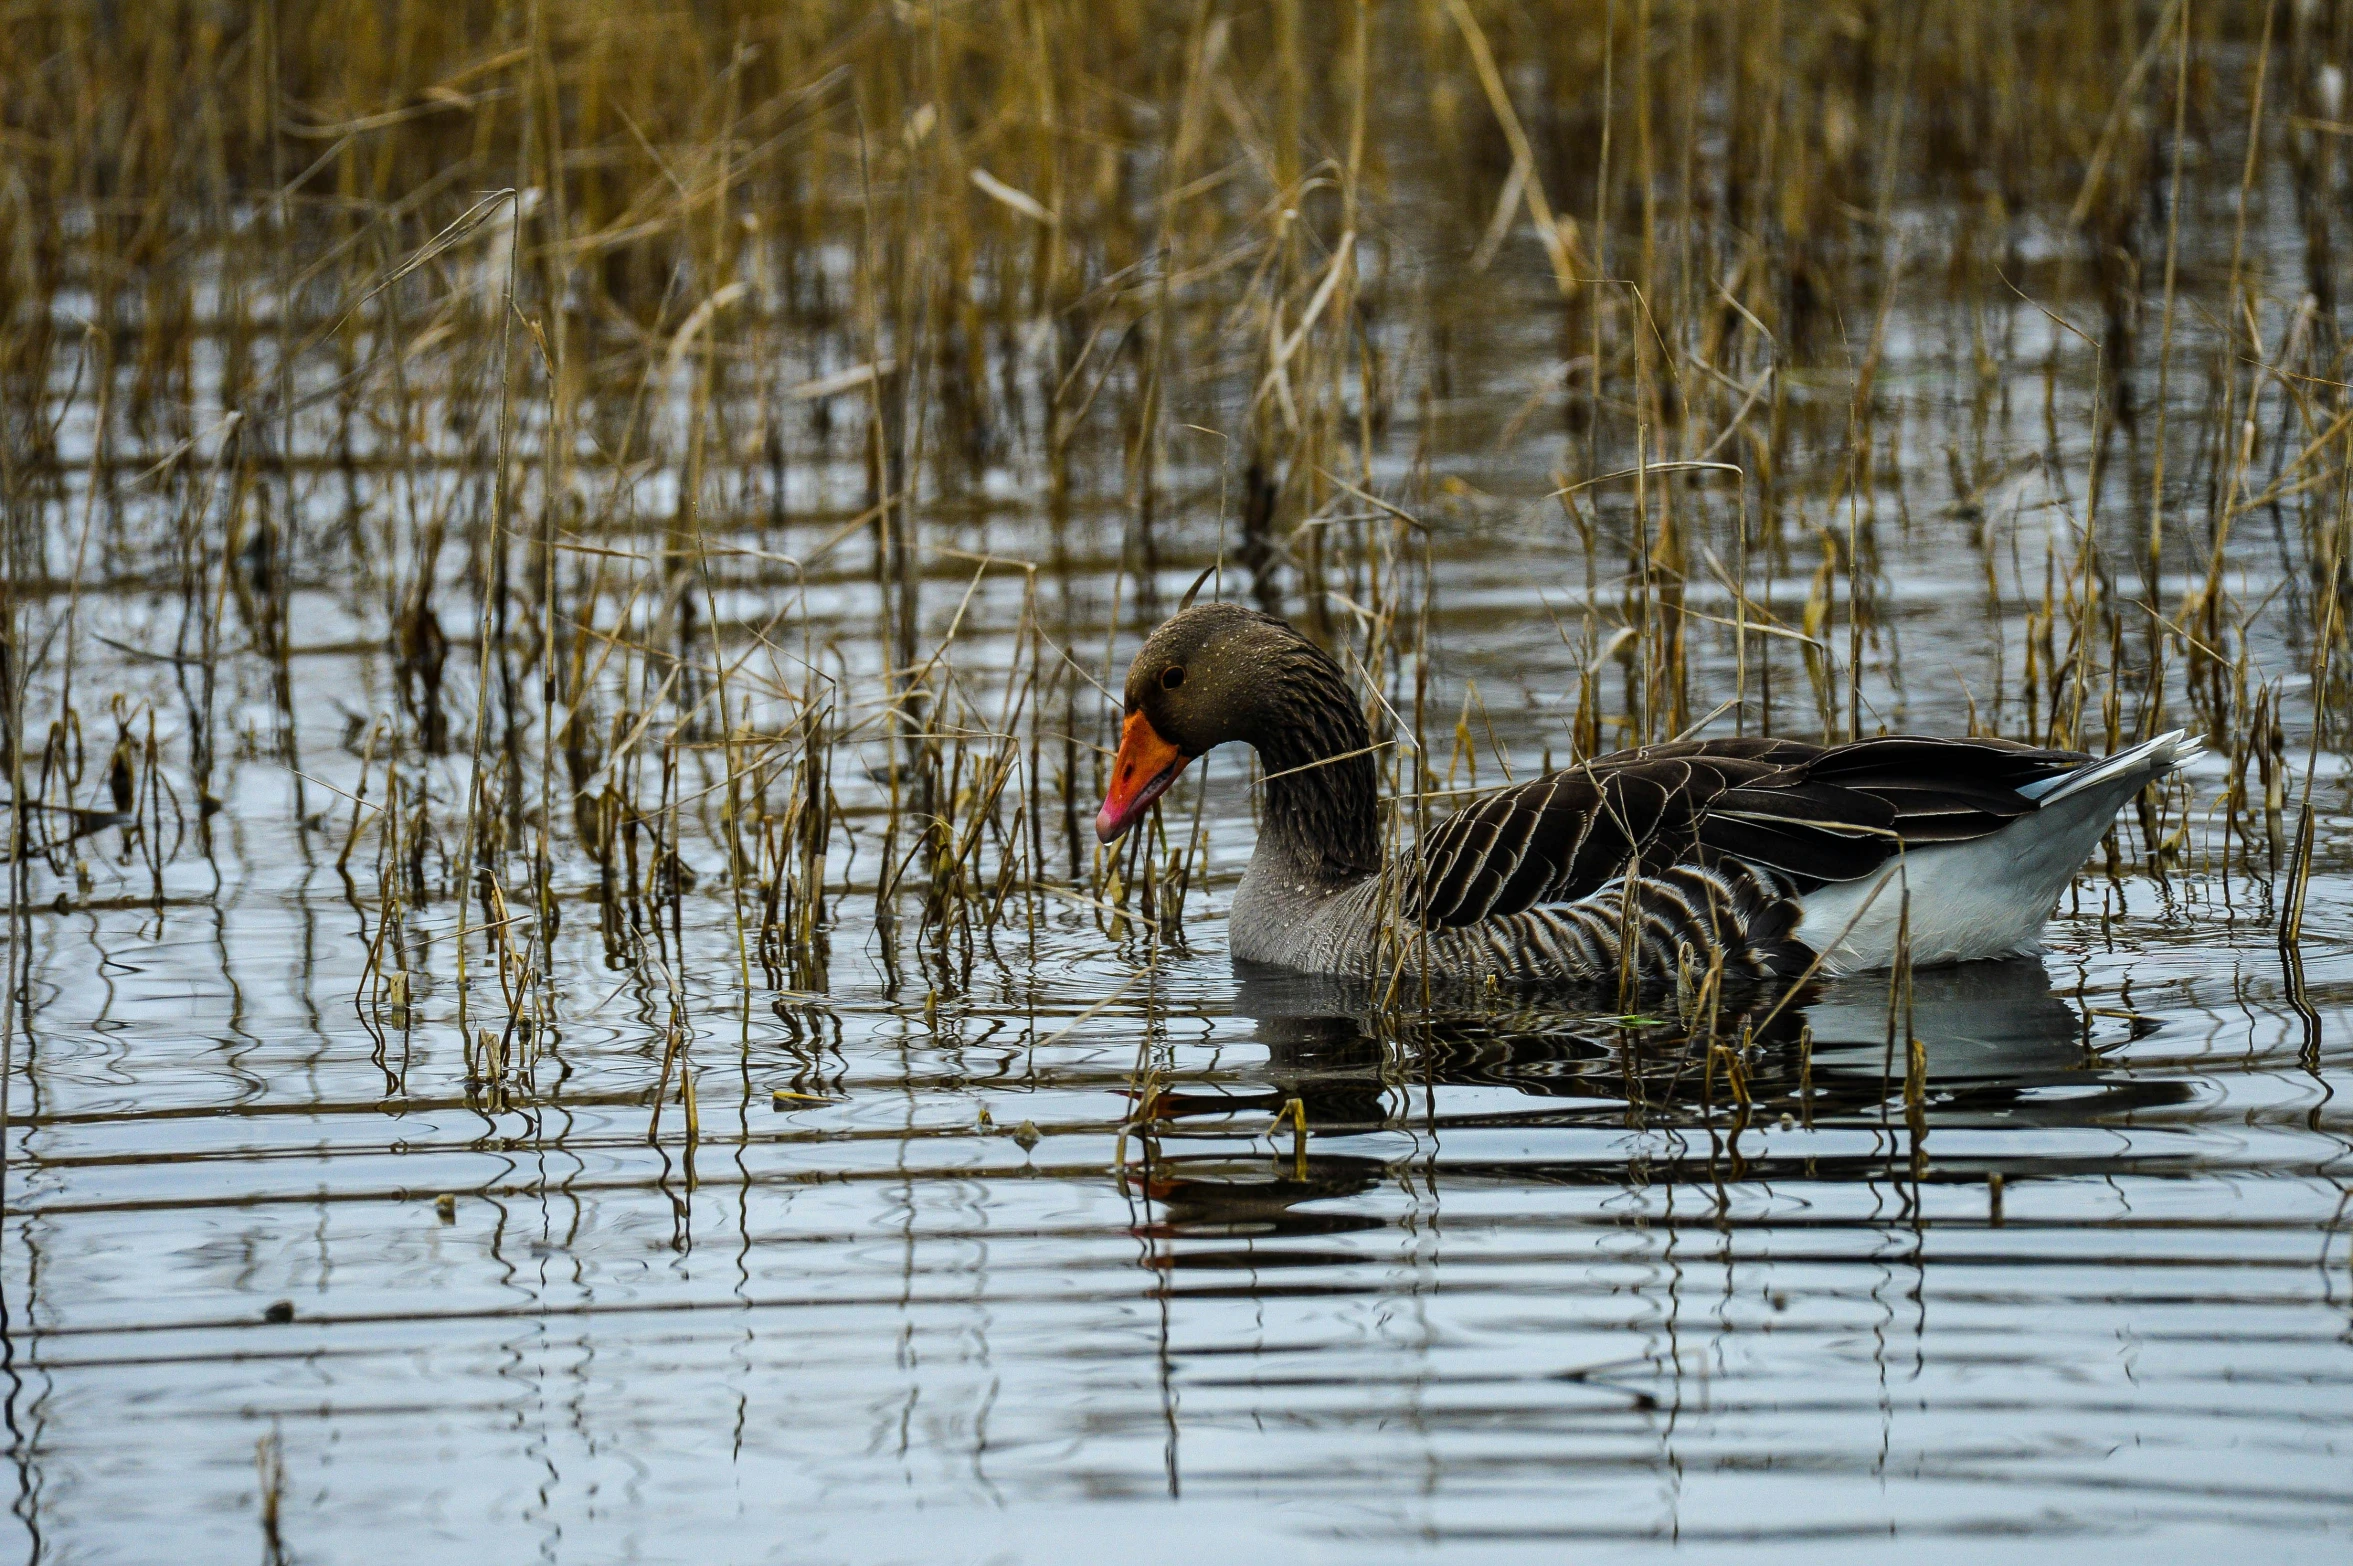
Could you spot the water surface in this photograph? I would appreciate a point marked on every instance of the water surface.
(1536, 1283)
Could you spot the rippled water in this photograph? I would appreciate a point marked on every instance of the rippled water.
(1534, 1280)
(1534, 1285)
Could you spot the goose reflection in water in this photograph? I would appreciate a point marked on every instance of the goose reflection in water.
(2001, 1051)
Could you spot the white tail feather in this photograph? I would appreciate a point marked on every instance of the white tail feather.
(2151, 759)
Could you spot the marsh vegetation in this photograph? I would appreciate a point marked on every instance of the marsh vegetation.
(567, 570)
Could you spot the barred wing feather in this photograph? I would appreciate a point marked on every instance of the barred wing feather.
(1810, 813)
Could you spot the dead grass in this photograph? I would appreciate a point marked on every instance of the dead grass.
(640, 388)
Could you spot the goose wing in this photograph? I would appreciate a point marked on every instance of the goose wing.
(1566, 835)
(1813, 814)
(1851, 808)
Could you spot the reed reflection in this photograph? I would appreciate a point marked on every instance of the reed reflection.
(1768, 1083)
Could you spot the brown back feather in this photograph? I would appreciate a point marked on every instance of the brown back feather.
(1814, 814)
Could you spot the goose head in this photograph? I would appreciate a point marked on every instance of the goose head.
(1209, 676)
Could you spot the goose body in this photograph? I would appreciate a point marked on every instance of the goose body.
(1772, 855)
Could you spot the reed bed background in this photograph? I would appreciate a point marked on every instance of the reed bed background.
(740, 443)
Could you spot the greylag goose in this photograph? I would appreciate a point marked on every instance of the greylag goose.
(1772, 855)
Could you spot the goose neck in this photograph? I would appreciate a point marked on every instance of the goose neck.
(1321, 802)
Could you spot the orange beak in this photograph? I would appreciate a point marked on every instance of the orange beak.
(1141, 773)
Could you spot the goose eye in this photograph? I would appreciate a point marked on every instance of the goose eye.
(1170, 679)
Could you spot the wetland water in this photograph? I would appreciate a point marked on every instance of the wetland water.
(299, 1262)
(1535, 1281)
